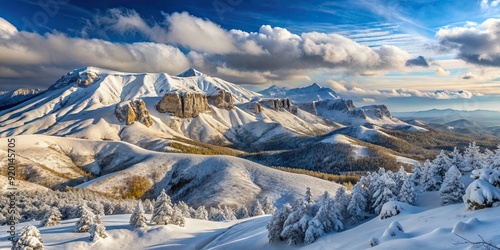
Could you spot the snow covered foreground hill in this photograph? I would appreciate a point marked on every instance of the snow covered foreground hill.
(198, 180)
(425, 226)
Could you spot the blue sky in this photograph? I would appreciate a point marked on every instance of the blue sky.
(408, 54)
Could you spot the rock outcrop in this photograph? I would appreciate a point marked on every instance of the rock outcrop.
(255, 107)
(222, 99)
(183, 105)
(130, 112)
(277, 104)
(81, 79)
(379, 111)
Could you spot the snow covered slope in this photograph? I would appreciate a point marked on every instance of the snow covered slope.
(192, 178)
(423, 228)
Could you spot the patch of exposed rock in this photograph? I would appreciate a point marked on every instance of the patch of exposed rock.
(132, 111)
(183, 105)
(277, 104)
(222, 100)
(81, 79)
(255, 107)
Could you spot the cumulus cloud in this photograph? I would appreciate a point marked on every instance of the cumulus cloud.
(182, 40)
(33, 57)
(274, 52)
(418, 61)
(475, 44)
(442, 72)
(356, 92)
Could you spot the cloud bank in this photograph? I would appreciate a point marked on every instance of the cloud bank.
(476, 44)
(182, 40)
(355, 92)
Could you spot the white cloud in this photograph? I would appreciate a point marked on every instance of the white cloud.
(442, 72)
(31, 57)
(274, 52)
(355, 92)
(475, 44)
(486, 4)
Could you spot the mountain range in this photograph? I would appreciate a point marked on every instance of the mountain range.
(97, 129)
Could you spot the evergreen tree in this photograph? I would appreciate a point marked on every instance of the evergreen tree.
(218, 214)
(257, 209)
(201, 213)
(399, 178)
(29, 239)
(384, 192)
(418, 175)
(308, 198)
(296, 223)
(86, 220)
(432, 176)
(268, 206)
(275, 224)
(473, 159)
(184, 209)
(407, 192)
(213, 214)
(148, 206)
(452, 189)
(494, 161)
(456, 158)
(437, 172)
(241, 212)
(98, 230)
(52, 218)
(342, 201)
(357, 204)
(177, 218)
(163, 209)
(138, 219)
(327, 219)
(229, 213)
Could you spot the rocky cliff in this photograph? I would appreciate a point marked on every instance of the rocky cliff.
(183, 105)
(277, 104)
(222, 99)
(132, 111)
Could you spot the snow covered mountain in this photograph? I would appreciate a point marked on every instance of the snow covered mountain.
(310, 93)
(165, 113)
(94, 103)
(326, 103)
(11, 98)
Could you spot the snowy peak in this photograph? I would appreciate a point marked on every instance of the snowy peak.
(190, 72)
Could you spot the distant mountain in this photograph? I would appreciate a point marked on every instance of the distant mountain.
(462, 123)
(481, 118)
(190, 72)
(310, 93)
(14, 97)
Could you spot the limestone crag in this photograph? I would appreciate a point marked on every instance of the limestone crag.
(222, 99)
(132, 111)
(255, 107)
(183, 105)
(279, 104)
